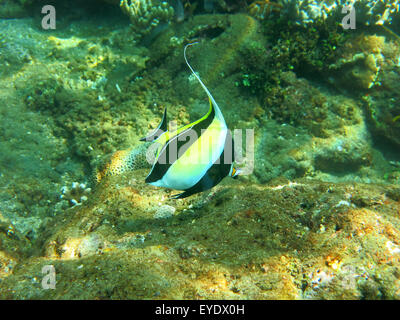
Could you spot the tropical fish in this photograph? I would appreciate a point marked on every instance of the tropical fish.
(198, 164)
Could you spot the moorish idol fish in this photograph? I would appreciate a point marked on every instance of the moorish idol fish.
(198, 164)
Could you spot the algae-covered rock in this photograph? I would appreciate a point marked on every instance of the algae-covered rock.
(382, 103)
(284, 240)
(370, 65)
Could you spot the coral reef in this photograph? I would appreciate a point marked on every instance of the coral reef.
(147, 15)
(305, 12)
(316, 219)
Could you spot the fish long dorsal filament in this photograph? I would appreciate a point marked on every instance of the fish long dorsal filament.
(214, 103)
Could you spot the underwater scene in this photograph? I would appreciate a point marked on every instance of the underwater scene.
(200, 149)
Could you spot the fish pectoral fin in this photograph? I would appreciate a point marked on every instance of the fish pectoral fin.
(162, 127)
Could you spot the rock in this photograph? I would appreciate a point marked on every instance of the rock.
(165, 211)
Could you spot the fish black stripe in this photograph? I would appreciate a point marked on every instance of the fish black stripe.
(168, 155)
(219, 170)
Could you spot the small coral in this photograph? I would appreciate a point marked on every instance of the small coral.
(76, 195)
(146, 15)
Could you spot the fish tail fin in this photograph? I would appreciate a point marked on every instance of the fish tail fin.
(162, 127)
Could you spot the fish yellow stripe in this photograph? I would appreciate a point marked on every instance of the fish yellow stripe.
(191, 166)
(167, 136)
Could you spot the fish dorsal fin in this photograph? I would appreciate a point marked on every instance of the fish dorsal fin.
(162, 127)
(213, 103)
